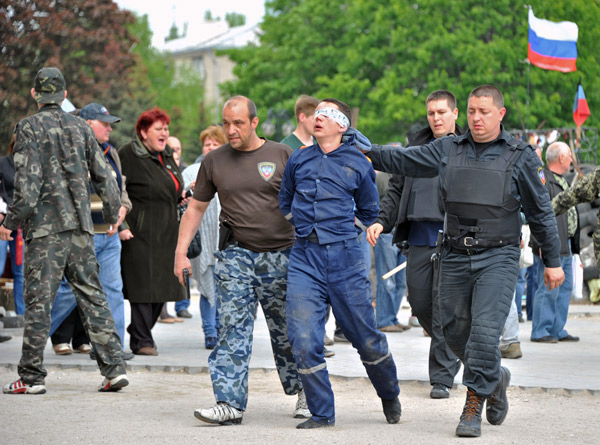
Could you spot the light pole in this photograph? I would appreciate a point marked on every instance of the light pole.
(277, 125)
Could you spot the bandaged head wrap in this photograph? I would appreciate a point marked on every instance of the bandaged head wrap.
(334, 114)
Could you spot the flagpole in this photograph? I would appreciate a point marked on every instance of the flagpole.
(528, 68)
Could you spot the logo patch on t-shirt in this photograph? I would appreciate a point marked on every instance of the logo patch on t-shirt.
(542, 175)
(266, 169)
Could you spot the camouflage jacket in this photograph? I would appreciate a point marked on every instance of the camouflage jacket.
(56, 156)
(586, 190)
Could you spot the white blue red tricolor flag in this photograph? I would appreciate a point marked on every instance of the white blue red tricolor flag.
(581, 110)
(552, 46)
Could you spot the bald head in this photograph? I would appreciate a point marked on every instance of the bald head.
(558, 157)
(239, 100)
(175, 144)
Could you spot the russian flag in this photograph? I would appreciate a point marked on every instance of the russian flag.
(581, 110)
(552, 46)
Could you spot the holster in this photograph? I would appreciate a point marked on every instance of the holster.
(225, 235)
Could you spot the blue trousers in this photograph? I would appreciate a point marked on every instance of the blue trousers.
(551, 307)
(244, 278)
(389, 292)
(108, 255)
(17, 271)
(334, 274)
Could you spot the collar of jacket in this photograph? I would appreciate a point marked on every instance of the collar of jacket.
(49, 107)
(140, 150)
(424, 135)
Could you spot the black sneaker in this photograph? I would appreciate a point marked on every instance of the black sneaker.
(184, 313)
(497, 405)
(312, 423)
(439, 391)
(470, 420)
(392, 410)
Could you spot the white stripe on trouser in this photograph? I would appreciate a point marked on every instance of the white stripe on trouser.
(313, 369)
(376, 362)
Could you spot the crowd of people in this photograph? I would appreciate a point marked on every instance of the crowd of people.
(283, 225)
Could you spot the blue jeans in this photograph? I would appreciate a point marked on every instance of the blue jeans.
(207, 312)
(17, 271)
(520, 290)
(389, 292)
(108, 255)
(551, 307)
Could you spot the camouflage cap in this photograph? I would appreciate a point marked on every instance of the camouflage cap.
(49, 86)
(99, 112)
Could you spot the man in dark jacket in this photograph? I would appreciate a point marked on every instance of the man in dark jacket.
(486, 177)
(551, 307)
(56, 155)
(413, 208)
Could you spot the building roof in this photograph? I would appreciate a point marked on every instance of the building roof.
(215, 35)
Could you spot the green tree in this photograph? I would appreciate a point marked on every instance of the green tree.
(155, 81)
(234, 19)
(385, 57)
(87, 39)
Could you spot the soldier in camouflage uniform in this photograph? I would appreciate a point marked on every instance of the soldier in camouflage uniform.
(586, 190)
(253, 262)
(56, 155)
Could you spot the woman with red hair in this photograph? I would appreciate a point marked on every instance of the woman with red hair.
(155, 187)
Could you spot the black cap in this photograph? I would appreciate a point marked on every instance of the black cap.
(98, 112)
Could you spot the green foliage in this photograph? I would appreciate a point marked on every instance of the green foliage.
(155, 81)
(234, 19)
(385, 57)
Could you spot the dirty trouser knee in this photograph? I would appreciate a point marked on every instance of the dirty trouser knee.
(423, 299)
(475, 298)
(243, 279)
(335, 274)
(46, 259)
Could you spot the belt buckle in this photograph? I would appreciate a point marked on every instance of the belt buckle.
(468, 241)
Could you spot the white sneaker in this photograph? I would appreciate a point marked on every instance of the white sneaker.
(221, 414)
(114, 384)
(20, 387)
(302, 411)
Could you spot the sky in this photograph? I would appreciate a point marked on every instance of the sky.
(162, 14)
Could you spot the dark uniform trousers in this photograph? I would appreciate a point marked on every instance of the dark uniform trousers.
(46, 260)
(423, 299)
(476, 293)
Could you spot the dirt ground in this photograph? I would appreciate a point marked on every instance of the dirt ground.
(157, 408)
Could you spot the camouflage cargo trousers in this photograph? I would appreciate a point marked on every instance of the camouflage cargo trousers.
(244, 278)
(46, 260)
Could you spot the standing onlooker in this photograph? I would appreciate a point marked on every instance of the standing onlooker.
(7, 185)
(551, 306)
(486, 178)
(155, 187)
(303, 134)
(56, 155)
(389, 293)
(254, 246)
(328, 193)
(413, 208)
(66, 323)
(203, 266)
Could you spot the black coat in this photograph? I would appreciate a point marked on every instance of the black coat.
(147, 258)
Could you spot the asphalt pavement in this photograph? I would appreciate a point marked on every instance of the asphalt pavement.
(564, 365)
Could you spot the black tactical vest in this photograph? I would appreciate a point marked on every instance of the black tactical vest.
(424, 200)
(480, 209)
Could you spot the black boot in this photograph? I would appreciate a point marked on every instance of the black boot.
(470, 420)
(392, 410)
(497, 405)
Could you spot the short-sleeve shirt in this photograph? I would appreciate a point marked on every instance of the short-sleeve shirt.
(248, 184)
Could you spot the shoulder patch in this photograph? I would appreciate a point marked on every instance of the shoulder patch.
(266, 170)
(541, 175)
